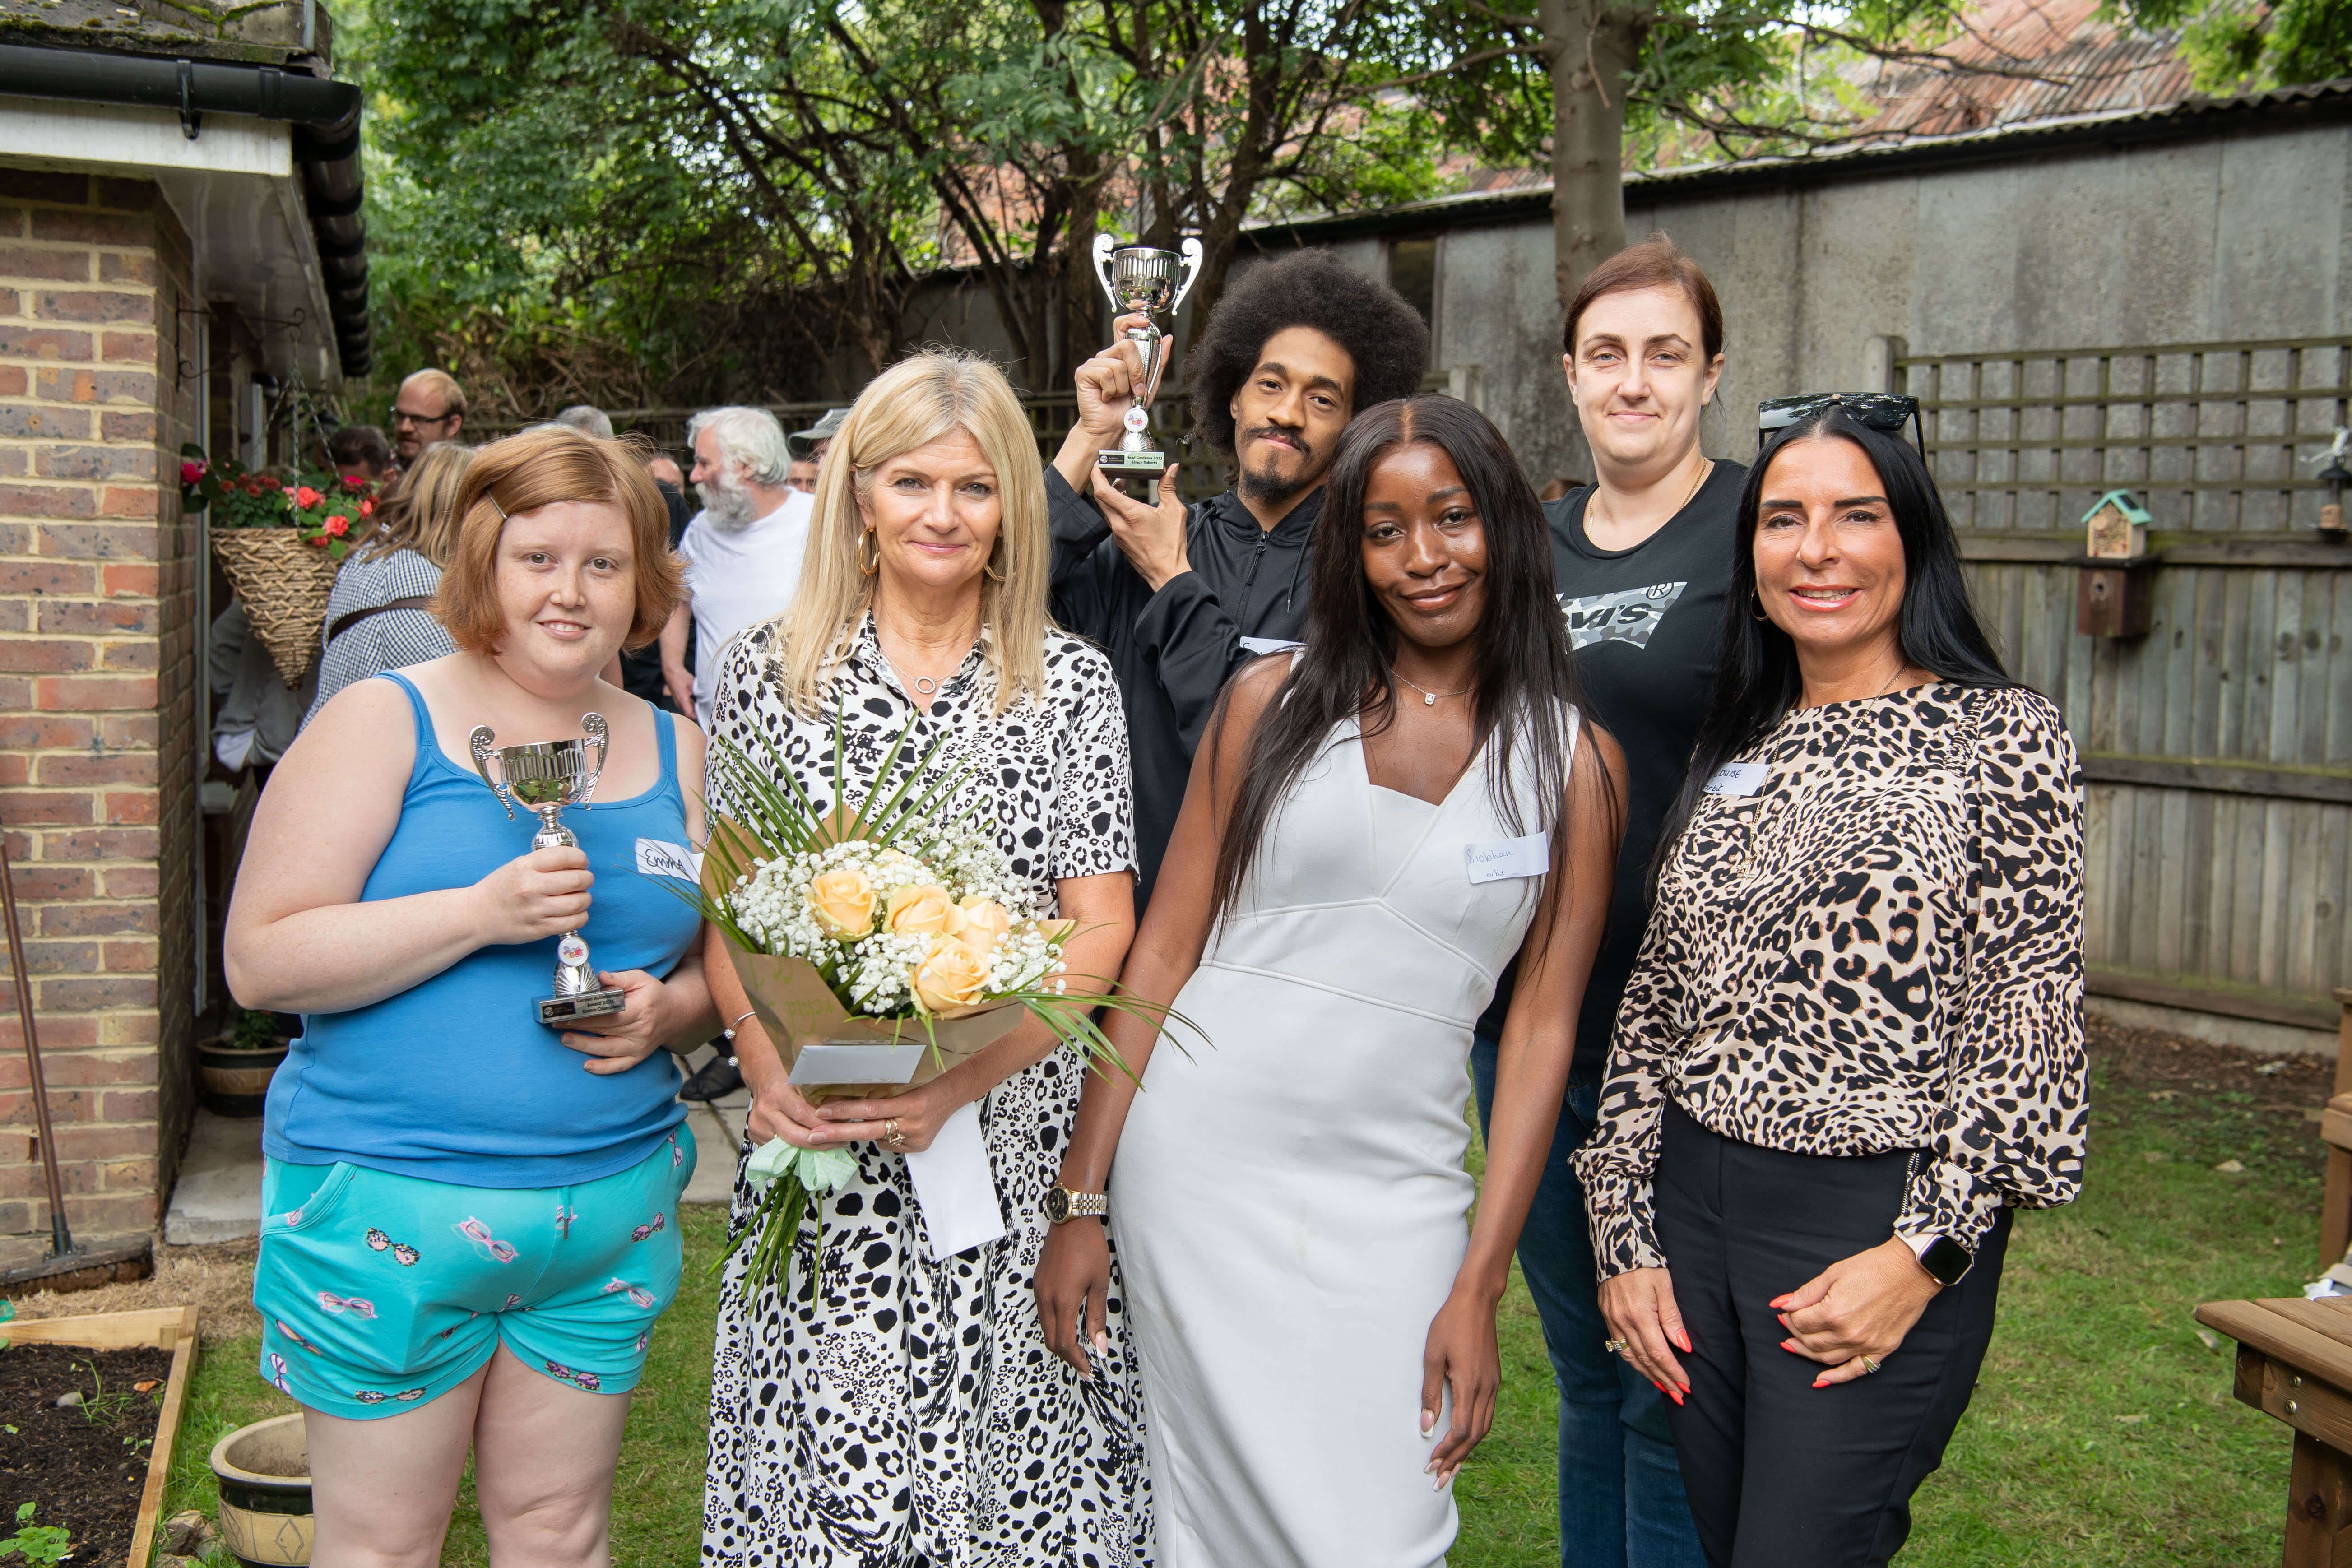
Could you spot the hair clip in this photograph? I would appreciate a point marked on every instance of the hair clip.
(495, 506)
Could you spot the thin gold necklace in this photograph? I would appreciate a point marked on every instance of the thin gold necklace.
(1706, 466)
(1428, 698)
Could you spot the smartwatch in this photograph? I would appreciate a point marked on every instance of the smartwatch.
(1945, 1260)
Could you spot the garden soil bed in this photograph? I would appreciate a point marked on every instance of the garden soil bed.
(82, 1467)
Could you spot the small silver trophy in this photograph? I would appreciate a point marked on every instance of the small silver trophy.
(548, 777)
(1142, 281)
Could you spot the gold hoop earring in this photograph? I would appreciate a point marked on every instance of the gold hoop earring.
(1759, 611)
(868, 568)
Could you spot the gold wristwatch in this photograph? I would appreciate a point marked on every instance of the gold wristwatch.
(1063, 1206)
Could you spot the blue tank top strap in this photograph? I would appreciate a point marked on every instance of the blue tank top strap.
(428, 743)
(668, 726)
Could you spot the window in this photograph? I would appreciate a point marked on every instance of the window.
(1413, 272)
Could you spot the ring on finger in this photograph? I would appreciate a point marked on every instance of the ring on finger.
(891, 1137)
(1619, 1347)
(1869, 1365)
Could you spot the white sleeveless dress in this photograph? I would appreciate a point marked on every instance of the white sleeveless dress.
(1289, 1202)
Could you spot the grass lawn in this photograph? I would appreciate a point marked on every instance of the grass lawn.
(2101, 1432)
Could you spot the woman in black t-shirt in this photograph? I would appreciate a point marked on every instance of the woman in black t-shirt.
(1641, 559)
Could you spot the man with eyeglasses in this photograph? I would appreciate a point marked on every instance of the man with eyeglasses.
(429, 407)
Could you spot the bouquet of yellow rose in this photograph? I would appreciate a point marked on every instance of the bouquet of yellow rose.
(878, 946)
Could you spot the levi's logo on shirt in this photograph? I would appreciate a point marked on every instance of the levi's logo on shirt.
(1628, 615)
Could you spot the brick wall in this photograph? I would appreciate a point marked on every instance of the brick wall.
(97, 687)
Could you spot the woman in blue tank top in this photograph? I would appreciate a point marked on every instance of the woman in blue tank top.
(471, 1217)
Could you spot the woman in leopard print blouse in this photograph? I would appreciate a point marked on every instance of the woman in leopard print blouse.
(1853, 1040)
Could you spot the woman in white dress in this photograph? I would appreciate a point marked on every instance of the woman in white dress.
(1377, 827)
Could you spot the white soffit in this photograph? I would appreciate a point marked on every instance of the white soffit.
(235, 190)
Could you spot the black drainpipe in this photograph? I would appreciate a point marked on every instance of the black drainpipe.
(326, 120)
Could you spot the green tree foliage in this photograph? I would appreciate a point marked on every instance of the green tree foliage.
(662, 200)
(2237, 44)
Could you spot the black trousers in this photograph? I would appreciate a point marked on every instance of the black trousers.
(1782, 1474)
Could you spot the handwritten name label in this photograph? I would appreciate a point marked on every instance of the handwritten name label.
(1504, 858)
(1737, 778)
(657, 858)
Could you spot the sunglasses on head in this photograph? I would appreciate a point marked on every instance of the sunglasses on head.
(1887, 411)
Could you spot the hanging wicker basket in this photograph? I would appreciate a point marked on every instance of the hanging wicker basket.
(284, 584)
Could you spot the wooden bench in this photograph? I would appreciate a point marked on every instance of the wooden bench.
(2295, 1363)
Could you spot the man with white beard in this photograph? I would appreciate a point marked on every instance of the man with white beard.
(743, 549)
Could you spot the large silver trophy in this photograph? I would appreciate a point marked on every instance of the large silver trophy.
(547, 777)
(1142, 281)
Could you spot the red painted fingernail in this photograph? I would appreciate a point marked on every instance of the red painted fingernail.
(1682, 1341)
(1676, 1393)
(1819, 1383)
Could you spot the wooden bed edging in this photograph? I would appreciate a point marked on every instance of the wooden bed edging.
(158, 1328)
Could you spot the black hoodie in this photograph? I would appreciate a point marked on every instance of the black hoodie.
(1173, 651)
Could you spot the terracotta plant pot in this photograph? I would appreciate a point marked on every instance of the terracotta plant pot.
(264, 1471)
(236, 1082)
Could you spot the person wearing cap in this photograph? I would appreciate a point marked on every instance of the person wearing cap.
(808, 446)
(742, 550)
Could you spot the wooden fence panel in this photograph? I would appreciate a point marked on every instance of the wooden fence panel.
(2219, 746)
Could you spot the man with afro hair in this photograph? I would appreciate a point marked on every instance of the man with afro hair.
(1181, 597)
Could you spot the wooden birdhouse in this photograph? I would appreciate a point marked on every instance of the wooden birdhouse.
(2114, 593)
(2115, 529)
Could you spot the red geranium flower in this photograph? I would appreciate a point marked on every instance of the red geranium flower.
(367, 507)
(272, 483)
(338, 525)
(354, 482)
(306, 498)
(189, 472)
(317, 542)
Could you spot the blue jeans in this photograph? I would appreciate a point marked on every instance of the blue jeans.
(1621, 1488)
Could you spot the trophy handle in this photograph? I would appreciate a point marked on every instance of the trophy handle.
(479, 744)
(593, 726)
(1104, 246)
(1187, 275)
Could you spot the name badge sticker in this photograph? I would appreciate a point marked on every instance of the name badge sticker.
(1737, 778)
(656, 857)
(1504, 858)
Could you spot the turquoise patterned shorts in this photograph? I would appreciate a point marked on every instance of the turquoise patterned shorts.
(379, 1292)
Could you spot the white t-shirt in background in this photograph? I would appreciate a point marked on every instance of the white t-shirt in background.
(738, 579)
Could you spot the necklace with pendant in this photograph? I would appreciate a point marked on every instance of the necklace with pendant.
(1428, 698)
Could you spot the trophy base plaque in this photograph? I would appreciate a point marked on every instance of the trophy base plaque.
(577, 994)
(560, 1010)
(1137, 474)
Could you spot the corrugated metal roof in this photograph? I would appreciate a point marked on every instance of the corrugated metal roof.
(2022, 62)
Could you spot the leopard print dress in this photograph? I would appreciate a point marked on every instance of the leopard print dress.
(912, 1416)
(1869, 938)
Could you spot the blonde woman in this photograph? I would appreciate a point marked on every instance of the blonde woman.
(895, 1406)
(379, 616)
